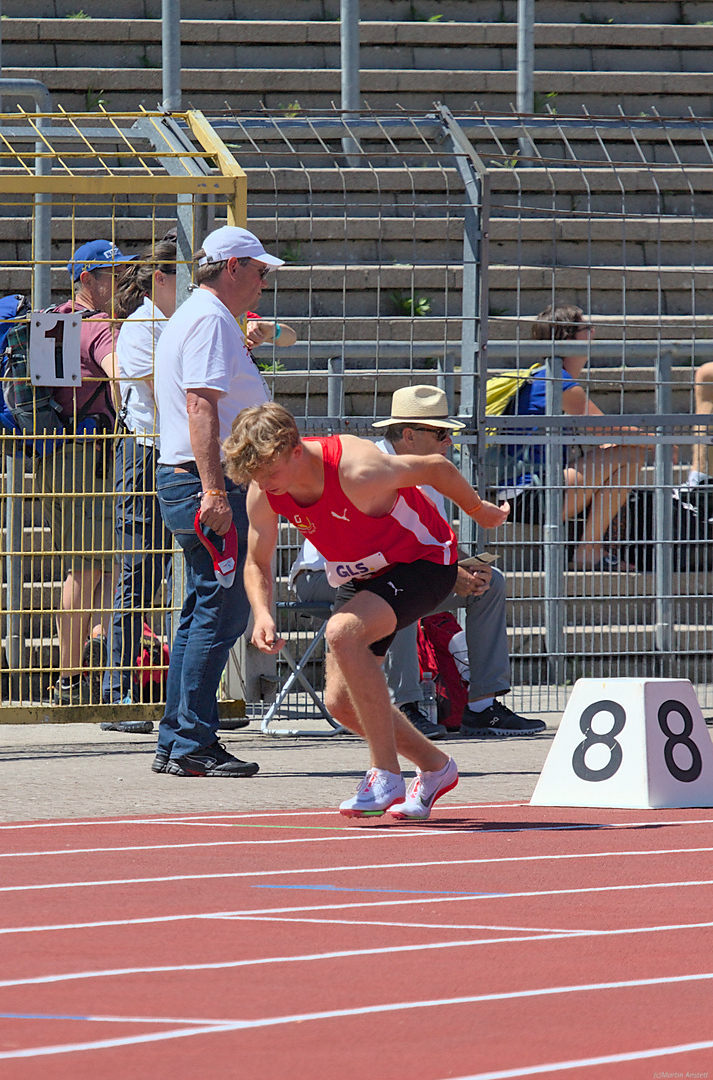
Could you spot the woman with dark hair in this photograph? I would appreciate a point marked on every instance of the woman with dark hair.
(598, 481)
(145, 299)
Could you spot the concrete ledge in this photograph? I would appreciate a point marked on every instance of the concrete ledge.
(419, 34)
(437, 82)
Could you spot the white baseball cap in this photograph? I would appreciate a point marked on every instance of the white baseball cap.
(231, 242)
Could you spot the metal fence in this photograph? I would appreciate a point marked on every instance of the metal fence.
(425, 257)
(127, 179)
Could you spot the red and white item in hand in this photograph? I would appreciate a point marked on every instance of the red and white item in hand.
(225, 556)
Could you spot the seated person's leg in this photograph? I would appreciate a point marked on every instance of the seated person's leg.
(403, 676)
(311, 586)
(702, 457)
(489, 659)
(605, 477)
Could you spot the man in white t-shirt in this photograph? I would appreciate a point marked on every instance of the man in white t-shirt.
(204, 377)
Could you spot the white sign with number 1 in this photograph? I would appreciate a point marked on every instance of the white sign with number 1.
(638, 743)
(54, 349)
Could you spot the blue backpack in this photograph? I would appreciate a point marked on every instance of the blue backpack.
(12, 307)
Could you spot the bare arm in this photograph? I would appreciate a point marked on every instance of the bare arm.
(262, 540)
(261, 331)
(110, 365)
(398, 471)
(204, 431)
(576, 403)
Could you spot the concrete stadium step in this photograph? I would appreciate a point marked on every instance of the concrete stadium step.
(258, 64)
(129, 89)
(609, 611)
(592, 642)
(595, 11)
(121, 42)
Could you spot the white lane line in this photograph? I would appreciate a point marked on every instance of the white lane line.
(477, 894)
(364, 866)
(259, 915)
(408, 925)
(224, 965)
(608, 1059)
(340, 954)
(197, 819)
(391, 831)
(366, 1010)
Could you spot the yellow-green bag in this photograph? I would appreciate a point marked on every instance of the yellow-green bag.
(501, 390)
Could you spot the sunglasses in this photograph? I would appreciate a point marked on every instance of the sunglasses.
(440, 433)
(262, 273)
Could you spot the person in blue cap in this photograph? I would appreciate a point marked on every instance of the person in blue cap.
(76, 477)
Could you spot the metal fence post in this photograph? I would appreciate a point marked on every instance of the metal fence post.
(14, 637)
(526, 68)
(525, 56)
(351, 89)
(335, 387)
(474, 328)
(663, 514)
(171, 53)
(553, 529)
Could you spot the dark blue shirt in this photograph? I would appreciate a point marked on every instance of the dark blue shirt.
(531, 402)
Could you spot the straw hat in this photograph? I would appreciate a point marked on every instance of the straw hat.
(424, 404)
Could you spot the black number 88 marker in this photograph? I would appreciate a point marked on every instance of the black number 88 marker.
(592, 739)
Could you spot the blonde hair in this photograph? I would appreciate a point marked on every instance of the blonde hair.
(261, 434)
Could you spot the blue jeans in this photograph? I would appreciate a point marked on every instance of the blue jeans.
(212, 619)
(142, 539)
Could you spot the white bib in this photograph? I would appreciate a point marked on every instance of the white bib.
(340, 572)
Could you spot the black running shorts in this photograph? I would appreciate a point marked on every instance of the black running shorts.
(411, 589)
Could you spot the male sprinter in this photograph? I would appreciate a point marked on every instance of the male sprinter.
(393, 557)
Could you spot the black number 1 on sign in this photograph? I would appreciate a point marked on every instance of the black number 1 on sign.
(686, 776)
(581, 769)
(57, 332)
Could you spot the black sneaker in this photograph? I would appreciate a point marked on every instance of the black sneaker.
(497, 719)
(95, 657)
(212, 761)
(421, 722)
(129, 727)
(75, 693)
(160, 762)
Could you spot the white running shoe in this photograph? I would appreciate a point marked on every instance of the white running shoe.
(423, 792)
(376, 793)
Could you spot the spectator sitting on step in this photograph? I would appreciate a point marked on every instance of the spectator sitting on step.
(600, 480)
(419, 425)
(701, 471)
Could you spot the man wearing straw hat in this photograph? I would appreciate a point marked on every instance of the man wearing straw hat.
(394, 558)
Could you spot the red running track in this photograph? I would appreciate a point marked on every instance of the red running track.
(492, 941)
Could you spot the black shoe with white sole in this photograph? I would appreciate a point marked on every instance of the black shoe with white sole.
(212, 761)
(498, 720)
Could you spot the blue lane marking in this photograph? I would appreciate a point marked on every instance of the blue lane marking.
(358, 888)
(40, 1016)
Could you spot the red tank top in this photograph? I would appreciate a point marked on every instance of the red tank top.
(357, 545)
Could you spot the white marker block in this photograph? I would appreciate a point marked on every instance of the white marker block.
(630, 743)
